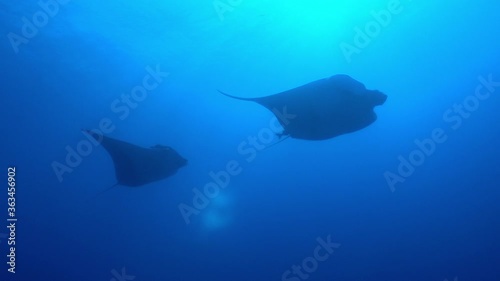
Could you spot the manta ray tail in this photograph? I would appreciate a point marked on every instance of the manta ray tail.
(280, 140)
(234, 97)
(104, 191)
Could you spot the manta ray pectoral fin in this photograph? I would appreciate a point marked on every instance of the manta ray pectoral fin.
(161, 146)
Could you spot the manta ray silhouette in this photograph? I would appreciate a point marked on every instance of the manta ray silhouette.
(135, 165)
(324, 108)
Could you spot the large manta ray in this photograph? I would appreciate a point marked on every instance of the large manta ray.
(324, 108)
(135, 165)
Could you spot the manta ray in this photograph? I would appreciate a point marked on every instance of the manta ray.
(135, 165)
(323, 109)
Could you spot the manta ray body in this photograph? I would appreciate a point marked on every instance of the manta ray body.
(323, 109)
(135, 165)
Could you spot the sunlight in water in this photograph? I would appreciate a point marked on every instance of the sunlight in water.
(219, 214)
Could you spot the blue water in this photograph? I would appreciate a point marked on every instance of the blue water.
(64, 64)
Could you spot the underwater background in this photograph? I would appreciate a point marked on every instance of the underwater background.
(412, 197)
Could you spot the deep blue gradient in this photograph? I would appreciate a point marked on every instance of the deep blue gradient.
(440, 223)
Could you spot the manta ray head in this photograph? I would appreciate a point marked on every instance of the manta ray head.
(347, 84)
(171, 154)
(181, 161)
(377, 97)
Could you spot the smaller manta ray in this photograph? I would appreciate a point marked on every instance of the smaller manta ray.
(135, 165)
(323, 109)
